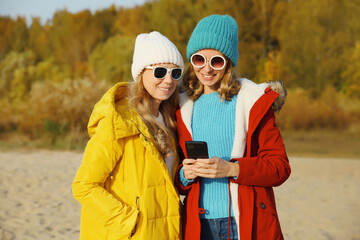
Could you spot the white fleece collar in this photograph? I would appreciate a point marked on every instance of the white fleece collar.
(186, 109)
(249, 93)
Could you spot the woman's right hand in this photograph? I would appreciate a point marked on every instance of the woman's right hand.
(209, 168)
(188, 169)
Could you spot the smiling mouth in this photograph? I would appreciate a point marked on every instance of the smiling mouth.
(164, 89)
(207, 76)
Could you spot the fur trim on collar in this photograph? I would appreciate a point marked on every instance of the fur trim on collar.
(248, 94)
(278, 87)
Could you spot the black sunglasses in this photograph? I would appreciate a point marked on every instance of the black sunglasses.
(160, 72)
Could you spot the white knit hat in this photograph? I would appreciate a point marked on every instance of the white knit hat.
(153, 48)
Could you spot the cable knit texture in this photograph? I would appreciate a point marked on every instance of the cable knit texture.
(218, 32)
(214, 123)
(153, 48)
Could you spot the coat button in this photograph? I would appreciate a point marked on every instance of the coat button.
(262, 205)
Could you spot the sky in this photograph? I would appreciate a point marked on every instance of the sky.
(45, 9)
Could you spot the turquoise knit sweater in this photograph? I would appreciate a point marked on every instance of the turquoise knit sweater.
(213, 121)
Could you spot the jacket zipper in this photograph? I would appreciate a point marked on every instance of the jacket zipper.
(135, 228)
(146, 138)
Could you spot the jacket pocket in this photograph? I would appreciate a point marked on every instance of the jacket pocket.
(266, 207)
(135, 227)
(265, 220)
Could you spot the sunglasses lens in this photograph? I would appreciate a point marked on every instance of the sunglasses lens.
(176, 73)
(160, 72)
(198, 60)
(217, 62)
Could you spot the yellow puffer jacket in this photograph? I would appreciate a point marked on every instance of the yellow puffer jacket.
(123, 183)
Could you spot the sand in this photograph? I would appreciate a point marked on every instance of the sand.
(320, 200)
(36, 201)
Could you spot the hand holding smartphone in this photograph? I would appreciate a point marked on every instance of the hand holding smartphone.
(196, 149)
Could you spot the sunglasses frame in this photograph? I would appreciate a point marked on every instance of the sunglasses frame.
(191, 60)
(167, 71)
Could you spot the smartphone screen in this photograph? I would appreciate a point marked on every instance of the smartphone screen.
(196, 149)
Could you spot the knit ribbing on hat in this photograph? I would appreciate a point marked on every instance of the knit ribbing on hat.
(219, 32)
(153, 48)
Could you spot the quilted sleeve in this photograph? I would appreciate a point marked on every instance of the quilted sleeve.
(100, 157)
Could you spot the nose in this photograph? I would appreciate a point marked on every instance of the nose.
(207, 67)
(168, 78)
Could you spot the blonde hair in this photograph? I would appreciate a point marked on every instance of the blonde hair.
(229, 85)
(142, 102)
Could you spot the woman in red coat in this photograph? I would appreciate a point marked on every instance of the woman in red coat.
(229, 195)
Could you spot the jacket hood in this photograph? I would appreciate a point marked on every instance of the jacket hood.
(114, 116)
(278, 87)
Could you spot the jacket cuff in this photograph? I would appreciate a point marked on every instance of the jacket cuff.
(233, 179)
(185, 182)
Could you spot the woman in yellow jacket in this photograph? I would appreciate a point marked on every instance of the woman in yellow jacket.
(125, 181)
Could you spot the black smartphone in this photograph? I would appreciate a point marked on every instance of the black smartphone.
(196, 149)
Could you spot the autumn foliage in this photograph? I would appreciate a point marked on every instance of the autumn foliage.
(51, 74)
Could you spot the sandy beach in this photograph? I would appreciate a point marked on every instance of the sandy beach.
(319, 201)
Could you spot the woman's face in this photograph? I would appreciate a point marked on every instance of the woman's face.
(209, 77)
(159, 89)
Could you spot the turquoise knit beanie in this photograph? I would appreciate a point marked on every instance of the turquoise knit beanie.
(219, 32)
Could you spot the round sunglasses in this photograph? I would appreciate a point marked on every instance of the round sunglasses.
(217, 62)
(160, 72)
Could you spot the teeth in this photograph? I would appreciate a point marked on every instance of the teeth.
(165, 89)
(207, 76)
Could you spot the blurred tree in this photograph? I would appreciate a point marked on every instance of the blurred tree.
(49, 71)
(38, 39)
(272, 70)
(63, 39)
(255, 27)
(74, 37)
(131, 22)
(311, 44)
(351, 74)
(106, 18)
(16, 75)
(112, 60)
(19, 35)
(174, 19)
(6, 25)
(315, 57)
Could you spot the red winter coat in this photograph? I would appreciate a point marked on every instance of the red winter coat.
(263, 163)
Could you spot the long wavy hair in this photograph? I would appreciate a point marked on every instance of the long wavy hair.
(229, 85)
(140, 100)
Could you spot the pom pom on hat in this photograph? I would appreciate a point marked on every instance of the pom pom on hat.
(219, 32)
(153, 48)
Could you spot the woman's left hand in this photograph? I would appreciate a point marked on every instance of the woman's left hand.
(215, 168)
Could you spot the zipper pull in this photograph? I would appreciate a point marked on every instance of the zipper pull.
(134, 230)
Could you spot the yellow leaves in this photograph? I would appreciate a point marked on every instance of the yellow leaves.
(272, 69)
(351, 74)
(315, 40)
(331, 110)
(16, 75)
(55, 104)
(112, 60)
(318, 45)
